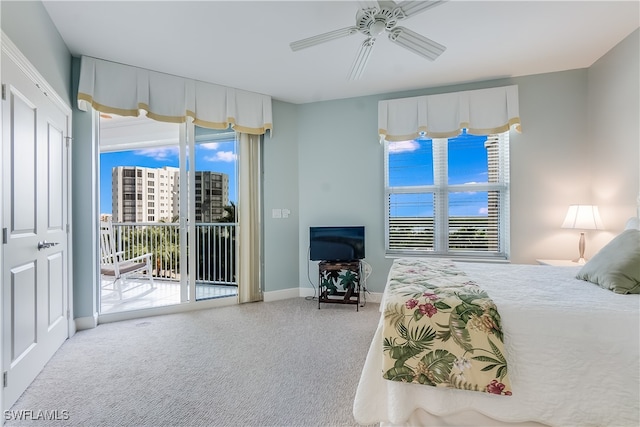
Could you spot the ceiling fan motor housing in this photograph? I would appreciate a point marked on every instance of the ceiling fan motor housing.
(374, 21)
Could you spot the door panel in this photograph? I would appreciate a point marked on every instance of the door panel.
(24, 321)
(35, 209)
(55, 145)
(22, 186)
(56, 292)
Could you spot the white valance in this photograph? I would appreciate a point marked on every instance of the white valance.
(120, 89)
(481, 112)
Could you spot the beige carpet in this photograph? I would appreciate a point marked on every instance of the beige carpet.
(282, 363)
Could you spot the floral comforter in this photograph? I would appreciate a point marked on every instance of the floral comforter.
(441, 329)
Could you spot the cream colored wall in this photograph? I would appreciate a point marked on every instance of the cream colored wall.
(614, 131)
(547, 165)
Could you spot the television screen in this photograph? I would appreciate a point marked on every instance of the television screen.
(336, 243)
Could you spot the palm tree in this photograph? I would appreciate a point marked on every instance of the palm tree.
(229, 213)
(164, 242)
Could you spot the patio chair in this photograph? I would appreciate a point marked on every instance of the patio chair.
(114, 265)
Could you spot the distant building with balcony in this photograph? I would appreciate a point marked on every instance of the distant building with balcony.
(212, 195)
(141, 194)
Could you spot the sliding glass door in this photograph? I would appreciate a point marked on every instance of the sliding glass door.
(169, 190)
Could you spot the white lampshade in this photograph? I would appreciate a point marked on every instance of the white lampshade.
(583, 217)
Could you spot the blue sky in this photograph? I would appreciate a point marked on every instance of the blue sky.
(411, 163)
(213, 156)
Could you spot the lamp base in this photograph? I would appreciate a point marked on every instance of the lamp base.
(581, 246)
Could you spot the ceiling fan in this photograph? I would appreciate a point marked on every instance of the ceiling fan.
(372, 20)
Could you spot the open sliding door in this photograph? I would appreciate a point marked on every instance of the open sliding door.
(165, 188)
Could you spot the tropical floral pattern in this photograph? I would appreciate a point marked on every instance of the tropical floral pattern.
(441, 329)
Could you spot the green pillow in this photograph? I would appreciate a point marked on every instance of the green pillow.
(617, 265)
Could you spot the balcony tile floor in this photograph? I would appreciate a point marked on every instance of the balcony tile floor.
(138, 294)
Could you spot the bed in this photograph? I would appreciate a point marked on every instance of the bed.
(572, 350)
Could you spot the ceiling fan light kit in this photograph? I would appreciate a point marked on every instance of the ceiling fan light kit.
(373, 22)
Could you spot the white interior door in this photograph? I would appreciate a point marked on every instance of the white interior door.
(35, 254)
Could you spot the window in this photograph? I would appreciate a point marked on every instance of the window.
(448, 197)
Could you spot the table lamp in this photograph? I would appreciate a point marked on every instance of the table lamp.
(582, 217)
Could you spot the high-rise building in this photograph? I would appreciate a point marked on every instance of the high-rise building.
(142, 194)
(212, 195)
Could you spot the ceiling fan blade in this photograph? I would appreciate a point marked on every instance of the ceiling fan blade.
(361, 59)
(367, 4)
(321, 38)
(389, 4)
(416, 43)
(410, 8)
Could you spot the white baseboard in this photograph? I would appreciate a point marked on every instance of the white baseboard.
(303, 292)
(280, 295)
(88, 322)
(374, 297)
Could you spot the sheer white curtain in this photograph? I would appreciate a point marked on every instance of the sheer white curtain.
(249, 231)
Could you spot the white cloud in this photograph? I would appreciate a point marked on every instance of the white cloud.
(222, 156)
(210, 145)
(162, 153)
(403, 146)
(483, 211)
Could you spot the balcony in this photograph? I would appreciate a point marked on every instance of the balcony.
(215, 261)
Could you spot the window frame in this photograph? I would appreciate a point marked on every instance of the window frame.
(441, 190)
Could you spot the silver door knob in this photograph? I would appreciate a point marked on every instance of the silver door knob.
(44, 244)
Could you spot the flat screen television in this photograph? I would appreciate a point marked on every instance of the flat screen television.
(336, 243)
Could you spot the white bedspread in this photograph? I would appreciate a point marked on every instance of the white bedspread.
(572, 349)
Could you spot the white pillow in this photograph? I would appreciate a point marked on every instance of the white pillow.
(633, 223)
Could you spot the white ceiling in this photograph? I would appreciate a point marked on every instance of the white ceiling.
(245, 44)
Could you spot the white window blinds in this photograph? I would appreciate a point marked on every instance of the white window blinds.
(448, 196)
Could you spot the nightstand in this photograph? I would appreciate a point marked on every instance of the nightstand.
(558, 262)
